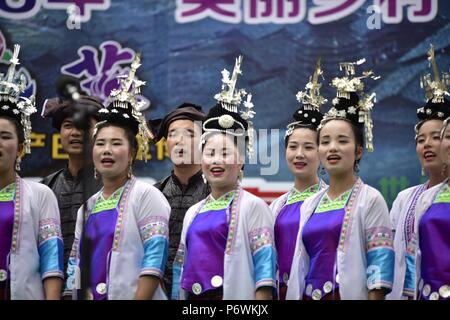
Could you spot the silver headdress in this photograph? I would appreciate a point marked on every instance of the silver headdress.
(311, 96)
(349, 85)
(437, 106)
(310, 99)
(435, 90)
(120, 100)
(230, 99)
(12, 103)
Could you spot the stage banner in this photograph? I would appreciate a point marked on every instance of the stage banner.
(185, 44)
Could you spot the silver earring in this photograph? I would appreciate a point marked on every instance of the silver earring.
(423, 172)
(204, 179)
(357, 167)
(130, 171)
(241, 175)
(444, 169)
(95, 174)
(322, 170)
(18, 160)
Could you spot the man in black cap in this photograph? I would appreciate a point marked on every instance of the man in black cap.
(67, 183)
(185, 186)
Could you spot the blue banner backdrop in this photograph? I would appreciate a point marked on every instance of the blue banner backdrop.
(186, 43)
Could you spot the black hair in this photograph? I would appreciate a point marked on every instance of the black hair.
(432, 111)
(123, 119)
(129, 134)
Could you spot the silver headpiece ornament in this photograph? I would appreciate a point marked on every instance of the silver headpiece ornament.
(435, 89)
(310, 98)
(129, 88)
(346, 85)
(230, 99)
(11, 87)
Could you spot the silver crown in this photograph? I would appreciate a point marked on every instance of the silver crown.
(311, 99)
(435, 89)
(11, 87)
(311, 96)
(129, 88)
(230, 99)
(346, 85)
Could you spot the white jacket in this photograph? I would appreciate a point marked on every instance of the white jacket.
(403, 206)
(38, 253)
(145, 218)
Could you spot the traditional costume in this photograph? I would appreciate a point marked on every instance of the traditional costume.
(286, 208)
(426, 265)
(344, 246)
(226, 249)
(403, 208)
(429, 269)
(31, 247)
(128, 232)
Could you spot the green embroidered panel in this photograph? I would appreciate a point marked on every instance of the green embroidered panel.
(112, 202)
(7, 193)
(222, 203)
(328, 205)
(297, 196)
(444, 195)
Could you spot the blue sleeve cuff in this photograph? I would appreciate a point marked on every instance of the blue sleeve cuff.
(178, 263)
(176, 281)
(265, 264)
(410, 276)
(70, 282)
(51, 258)
(155, 256)
(380, 269)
